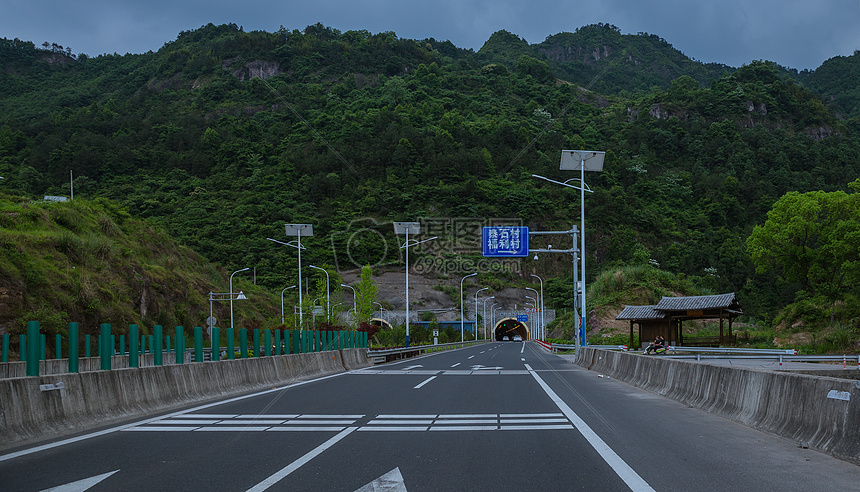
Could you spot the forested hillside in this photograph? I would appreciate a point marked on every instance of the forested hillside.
(222, 136)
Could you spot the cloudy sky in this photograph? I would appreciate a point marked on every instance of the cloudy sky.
(794, 33)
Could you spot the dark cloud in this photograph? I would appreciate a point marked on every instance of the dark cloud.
(798, 34)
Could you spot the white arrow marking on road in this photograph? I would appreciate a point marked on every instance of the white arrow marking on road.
(486, 368)
(81, 485)
(390, 482)
(412, 367)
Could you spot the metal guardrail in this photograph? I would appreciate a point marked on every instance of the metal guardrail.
(731, 350)
(569, 346)
(784, 355)
(400, 351)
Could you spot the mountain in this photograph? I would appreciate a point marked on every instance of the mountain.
(222, 136)
(836, 81)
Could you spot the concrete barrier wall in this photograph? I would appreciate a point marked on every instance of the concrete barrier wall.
(92, 399)
(18, 369)
(821, 411)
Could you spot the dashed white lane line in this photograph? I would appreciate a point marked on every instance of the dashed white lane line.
(431, 378)
(455, 365)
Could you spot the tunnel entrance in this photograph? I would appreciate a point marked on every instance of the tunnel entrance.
(509, 328)
(385, 325)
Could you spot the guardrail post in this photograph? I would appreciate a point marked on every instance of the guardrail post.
(180, 345)
(88, 343)
(73, 347)
(5, 347)
(277, 342)
(151, 343)
(243, 343)
(104, 352)
(32, 348)
(156, 350)
(267, 341)
(133, 346)
(231, 344)
(58, 346)
(256, 340)
(198, 344)
(167, 344)
(215, 344)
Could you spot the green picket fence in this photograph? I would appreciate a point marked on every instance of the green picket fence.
(32, 346)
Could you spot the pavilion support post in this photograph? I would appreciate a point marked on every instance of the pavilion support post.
(630, 347)
(721, 327)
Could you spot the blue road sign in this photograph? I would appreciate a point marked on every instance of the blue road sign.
(523, 318)
(505, 242)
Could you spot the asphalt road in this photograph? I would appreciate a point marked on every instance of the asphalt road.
(499, 416)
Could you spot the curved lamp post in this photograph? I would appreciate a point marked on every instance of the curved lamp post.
(327, 293)
(231, 294)
(462, 321)
(354, 307)
(485, 315)
(542, 314)
(282, 302)
(476, 311)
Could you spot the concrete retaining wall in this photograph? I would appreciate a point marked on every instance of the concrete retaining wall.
(821, 411)
(92, 399)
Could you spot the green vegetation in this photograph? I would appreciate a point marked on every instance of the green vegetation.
(90, 262)
(221, 136)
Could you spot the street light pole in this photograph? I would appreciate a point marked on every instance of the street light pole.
(537, 306)
(580, 160)
(476, 311)
(327, 293)
(231, 293)
(485, 315)
(462, 321)
(407, 228)
(354, 307)
(282, 302)
(297, 230)
(542, 313)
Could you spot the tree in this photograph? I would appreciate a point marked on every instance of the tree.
(814, 239)
(365, 295)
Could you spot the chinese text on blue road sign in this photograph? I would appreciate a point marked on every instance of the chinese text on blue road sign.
(506, 241)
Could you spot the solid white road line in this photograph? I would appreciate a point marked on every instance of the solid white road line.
(621, 468)
(295, 465)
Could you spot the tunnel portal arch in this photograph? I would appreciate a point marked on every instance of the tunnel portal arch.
(385, 325)
(508, 328)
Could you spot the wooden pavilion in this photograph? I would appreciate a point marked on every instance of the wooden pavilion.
(667, 316)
